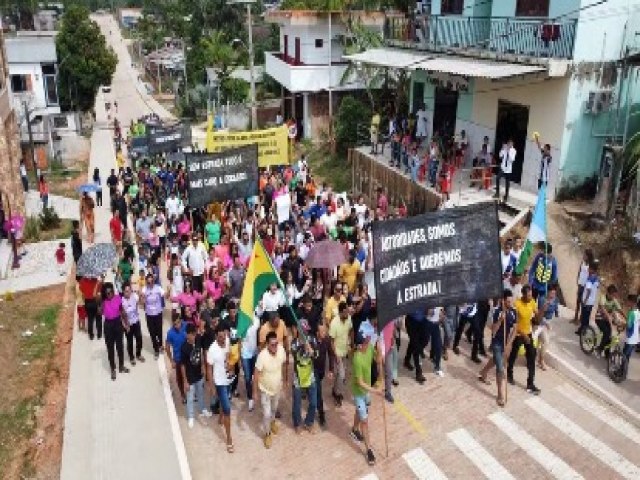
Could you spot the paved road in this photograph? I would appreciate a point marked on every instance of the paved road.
(449, 428)
(124, 429)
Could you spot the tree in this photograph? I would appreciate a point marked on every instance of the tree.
(359, 39)
(85, 62)
(352, 112)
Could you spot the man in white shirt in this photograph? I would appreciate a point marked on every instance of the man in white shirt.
(329, 219)
(361, 210)
(507, 157)
(545, 162)
(172, 205)
(218, 359)
(194, 259)
(283, 210)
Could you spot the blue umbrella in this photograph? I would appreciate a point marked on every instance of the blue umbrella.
(96, 260)
(88, 187)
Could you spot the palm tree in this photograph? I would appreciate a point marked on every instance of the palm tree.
(359, 39)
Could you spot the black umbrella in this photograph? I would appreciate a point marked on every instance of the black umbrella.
(96, 260)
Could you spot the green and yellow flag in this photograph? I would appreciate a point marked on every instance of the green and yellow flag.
(260, 275)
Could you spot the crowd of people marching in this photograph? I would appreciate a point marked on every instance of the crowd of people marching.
(314, 339)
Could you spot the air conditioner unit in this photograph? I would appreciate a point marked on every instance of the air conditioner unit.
(599, 101)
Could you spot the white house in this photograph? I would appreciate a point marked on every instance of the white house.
(32, 62)
(310, 66)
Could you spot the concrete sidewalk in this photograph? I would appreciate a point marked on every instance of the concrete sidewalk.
(126, 429)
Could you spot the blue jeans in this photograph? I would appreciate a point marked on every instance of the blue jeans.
(296, 412)
(223, 399)
(498, 357)
(248, 366)
(195, 389)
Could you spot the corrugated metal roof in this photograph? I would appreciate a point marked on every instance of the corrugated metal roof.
(476, 68)
(31, 49)
(468, 67)
(388, 57)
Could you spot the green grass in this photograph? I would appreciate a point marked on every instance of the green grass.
(15, 424)
(40, 344)
(333, 169)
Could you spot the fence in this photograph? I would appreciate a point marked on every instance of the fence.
(538, 37)
(369, 174)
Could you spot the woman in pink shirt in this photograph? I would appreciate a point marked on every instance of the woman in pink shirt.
(214, 285)
(115, 323)
(184, 226)
(188, 298)
(222, 251)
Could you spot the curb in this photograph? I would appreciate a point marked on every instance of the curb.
(573, 374)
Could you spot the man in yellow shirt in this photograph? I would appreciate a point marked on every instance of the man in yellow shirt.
(348, 272)
(331, 307)
(526, 309)
(341, 335)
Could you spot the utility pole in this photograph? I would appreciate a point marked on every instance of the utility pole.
(252, 79)
(27, 114)
(254, 108)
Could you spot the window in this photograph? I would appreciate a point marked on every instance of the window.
(61, 121)
(532, 8)
(51, 89)
(452, 7)
(319, 43)
(20, 83)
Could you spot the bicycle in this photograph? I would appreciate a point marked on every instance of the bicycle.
(616, 361)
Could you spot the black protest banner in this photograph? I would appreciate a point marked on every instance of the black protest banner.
(168, 138)
(441, 258)
(228, 175)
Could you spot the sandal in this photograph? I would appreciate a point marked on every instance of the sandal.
(500, 402)
(484, 380)
(230, 447)
(542, 367)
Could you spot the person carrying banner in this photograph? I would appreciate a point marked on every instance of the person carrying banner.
(502, 335)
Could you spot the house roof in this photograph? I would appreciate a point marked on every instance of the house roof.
(468, 67)
(31, 49)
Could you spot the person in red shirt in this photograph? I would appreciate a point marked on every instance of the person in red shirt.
(383, 203)
(61, 257)
(89, 287)
(115, 227)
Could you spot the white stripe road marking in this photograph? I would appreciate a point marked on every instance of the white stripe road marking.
(422, 466)
(553, 464)
(598, 449)
(604, 414)
(480, 457)
(178, 441)
(370, 476)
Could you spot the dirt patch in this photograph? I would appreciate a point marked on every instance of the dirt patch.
(34, 371)
(618, 255)
(65, 180)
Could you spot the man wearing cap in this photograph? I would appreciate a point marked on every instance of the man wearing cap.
(194, 260)
(361, 388)
(304, 350)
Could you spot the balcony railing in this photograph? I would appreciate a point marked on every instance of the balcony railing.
(540, 38)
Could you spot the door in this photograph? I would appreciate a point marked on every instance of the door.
(296, 59)
(286, 48)
(444, 112)
(418, 96)
(512, 124)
